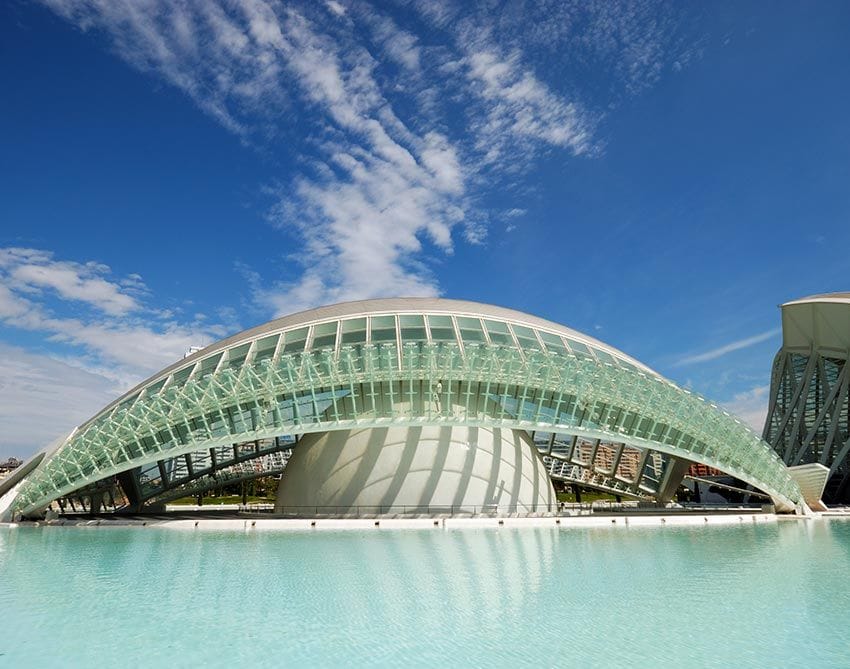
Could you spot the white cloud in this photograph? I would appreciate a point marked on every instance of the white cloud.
(627, 43)
(42, 398)
(510, 217)
(518, 107)
(133, 347)
(402, 130)
(363, 231)
(112, 341)
(720, 351)
(33, 270)
(382, 187)
(407, 125)
(335, 7)
(11, 305)
(751, 406)
(398, 45)
(208, 52)
(117, 334)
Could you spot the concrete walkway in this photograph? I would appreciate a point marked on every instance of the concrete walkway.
(448, 523)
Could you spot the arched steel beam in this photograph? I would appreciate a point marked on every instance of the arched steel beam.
(432, 383)
(272, 464)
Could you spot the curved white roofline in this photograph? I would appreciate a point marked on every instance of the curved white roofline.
(379, 306)
(577, 385)
(835, 298)
(817, 323)
(411, 305)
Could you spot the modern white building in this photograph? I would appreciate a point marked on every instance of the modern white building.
(409, 405)
(807, 421)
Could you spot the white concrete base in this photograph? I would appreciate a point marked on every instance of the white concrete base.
(812, 479)
(235, 508)
(6, 503)
(624, 521)
(415, 470)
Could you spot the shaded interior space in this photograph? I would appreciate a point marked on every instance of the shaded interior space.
(399, 472)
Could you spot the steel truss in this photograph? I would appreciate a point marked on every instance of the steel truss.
(616, 469)
(172, 478)
(807, 419)
(375, 385)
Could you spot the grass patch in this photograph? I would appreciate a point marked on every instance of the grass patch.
(586, 496)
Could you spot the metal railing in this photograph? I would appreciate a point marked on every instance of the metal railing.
(435, 510)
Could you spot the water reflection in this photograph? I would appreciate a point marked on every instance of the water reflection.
(744, 596)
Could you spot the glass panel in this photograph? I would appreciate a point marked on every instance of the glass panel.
(542, 439)
(470, 329)
(181, 376)
(354, 331)
(499, 333)
(442, 328)
(579, 348)
(179, 379)
(294, 340)
(525, 337)
(154, 389)
(324, 335)
(383, 328)
(208, 365)
(324, 329)
(237, 355)
(265, 348)
(412, 328)
(353, 325)
(466, 323)
(383, 322)
(553, 342)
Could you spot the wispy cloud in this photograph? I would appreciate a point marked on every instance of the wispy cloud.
(751, 406)
(113, 332)
(399, 46)
(32, 271)
(400, 121)
(42, 398)
(720, 351)
(519, 107)
(99, 336)
(405, 118)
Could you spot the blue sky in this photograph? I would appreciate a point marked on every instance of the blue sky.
(659, 175)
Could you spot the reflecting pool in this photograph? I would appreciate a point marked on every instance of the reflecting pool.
(767, 595)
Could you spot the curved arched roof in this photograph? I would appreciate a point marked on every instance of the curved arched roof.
(839, 298)
(819, 323)
(378, 362)
(396, 306)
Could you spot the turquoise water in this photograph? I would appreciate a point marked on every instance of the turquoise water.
(771, 595)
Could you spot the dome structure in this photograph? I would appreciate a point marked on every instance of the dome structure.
(584, 411)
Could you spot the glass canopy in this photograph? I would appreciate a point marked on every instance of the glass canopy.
(377, 367)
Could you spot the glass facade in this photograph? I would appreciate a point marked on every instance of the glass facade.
(372, 369)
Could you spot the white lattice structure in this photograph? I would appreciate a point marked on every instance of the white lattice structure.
(807, 421)
(409, 362)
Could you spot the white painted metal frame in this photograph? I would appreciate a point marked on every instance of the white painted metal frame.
(575, 385)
